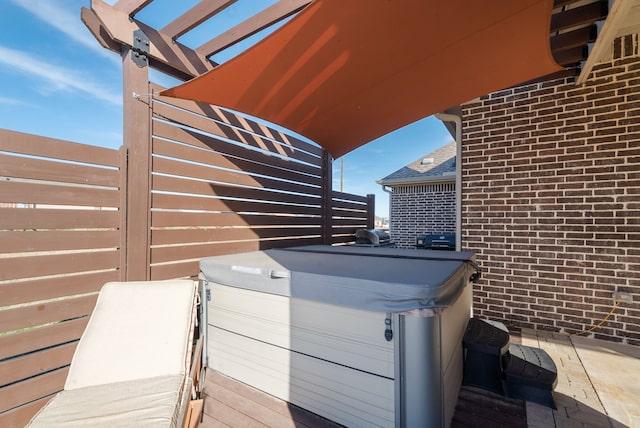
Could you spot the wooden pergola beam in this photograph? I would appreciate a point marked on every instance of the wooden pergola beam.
(571, 57)
(579, 16)
(194, 17)
(131, 7)
(162, 49)
(93, 23)
(271, 15)
(573, 39)
(562, 3)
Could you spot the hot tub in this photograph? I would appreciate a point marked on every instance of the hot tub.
(361, 336)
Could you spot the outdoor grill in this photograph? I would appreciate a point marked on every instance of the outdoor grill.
(372, 238)
(444, 241)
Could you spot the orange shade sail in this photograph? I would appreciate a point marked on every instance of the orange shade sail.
(345, 72)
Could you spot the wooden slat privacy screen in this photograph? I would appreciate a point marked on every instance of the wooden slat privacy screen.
(223, 184)
(220, 183)
(60, 241)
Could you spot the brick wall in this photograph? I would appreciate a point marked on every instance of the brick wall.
(420, 209)
(551, 200)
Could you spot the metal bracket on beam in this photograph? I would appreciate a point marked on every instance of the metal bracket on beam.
(140, 49)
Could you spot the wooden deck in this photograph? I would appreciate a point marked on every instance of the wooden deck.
(229, 403)
(597, 386)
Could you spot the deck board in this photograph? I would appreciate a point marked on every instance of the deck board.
(229, 403)
(480, 408)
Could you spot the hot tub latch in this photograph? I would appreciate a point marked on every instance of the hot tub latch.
(388, 333)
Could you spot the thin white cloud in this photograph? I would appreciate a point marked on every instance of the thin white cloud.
(58, 78)
(61, 17)
(15, 102)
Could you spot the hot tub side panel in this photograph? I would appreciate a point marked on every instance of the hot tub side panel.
(430, 364)
(328, 359)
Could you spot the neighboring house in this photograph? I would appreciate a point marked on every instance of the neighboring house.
(422, 197)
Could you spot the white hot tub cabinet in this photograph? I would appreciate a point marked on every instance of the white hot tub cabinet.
(363, 336)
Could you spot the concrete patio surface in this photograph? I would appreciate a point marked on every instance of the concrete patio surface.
(598, 383)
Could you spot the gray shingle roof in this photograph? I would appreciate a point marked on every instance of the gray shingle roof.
(432, 167)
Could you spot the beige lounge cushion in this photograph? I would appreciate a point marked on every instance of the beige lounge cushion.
(153, 402)
(138, 330)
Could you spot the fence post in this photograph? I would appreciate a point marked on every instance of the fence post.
(137, 140)
(327, 198)
(122, 207)
(371, 211)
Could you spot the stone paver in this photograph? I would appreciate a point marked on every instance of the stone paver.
(598, 383)
(614, 370)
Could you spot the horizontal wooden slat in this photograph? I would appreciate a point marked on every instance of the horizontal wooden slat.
(43, 337)
(229, 118)
(572, 39)
(210, 142)
(38, 218)
(188, 252)
(165, 112)
(181, 269)
(347, 205)
(578, 16)
(39, 169)
(349, 197)
(36, 363)
(285, 138)
(174, 270)
(20, 416)
(348, 230)
(222, 154)
(188, 236)
(14, 293)
(18, 142)
(196, 252)
(26, 241)
(56, 264)
(181, 219)
(341, 239)
(353, 222)
(292, 242)
(35, 193)
(33, 389)
(166, 201)
(196, 187)
(183, 169)
(570, 57)
(48, 312)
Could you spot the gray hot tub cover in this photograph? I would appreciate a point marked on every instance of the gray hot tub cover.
(375, 279)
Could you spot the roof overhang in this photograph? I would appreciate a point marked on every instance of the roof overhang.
(623, 19)
(432, 179)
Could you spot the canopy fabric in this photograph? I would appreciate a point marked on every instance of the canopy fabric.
(343, 73)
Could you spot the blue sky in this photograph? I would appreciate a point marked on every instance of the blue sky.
(57, 81)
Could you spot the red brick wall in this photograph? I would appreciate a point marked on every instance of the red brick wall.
(551, 200)
(420, 209)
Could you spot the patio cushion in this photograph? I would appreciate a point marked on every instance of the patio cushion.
(131, 365)
(153, 402)
(137, 330)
